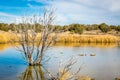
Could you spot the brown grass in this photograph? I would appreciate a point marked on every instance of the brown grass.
(74, 38)
(6, 37)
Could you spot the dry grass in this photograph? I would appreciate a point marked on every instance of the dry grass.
(6, 37)
(87, 38)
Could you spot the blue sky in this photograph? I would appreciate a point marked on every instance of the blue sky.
(68, 11)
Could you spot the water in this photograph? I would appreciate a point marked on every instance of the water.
(105, 65)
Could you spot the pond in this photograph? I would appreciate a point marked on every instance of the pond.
(103, 65)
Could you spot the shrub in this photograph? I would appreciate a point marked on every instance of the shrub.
(118, 28)
(76, 28)
(3, 27)
(104, 27)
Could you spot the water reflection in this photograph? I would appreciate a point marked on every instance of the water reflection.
(101, 45)
(40, 73)
(32, 73)
(4, 46)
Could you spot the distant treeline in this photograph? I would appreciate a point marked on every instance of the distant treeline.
(73, 28)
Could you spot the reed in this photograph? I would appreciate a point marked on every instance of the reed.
(6, 37)
(68, 38)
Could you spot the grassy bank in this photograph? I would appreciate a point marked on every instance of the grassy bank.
(6, 37)
(75, 38)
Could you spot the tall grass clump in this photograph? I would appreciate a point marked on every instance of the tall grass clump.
(87, 38)
(6, 37)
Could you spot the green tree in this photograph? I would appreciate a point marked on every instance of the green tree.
(113, 27)
(88, 27)
(76, 28)
(58, 28)
(11, 26)
(3, 27)
(95, 27)
(104, 27)
(38, 27)
(66, 28)
(118, 28)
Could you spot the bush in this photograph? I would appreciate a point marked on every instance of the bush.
(76, 28)
(104, 27)
(65, 28)
(3, 27)
(58, 28)
(118, 28)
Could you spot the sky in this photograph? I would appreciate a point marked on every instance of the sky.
(67, 11)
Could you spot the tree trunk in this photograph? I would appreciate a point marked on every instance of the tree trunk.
(30, 61)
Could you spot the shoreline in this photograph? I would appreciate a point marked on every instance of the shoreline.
(99, 45)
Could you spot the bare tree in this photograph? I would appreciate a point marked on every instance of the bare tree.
(64, 72)
(33, 44)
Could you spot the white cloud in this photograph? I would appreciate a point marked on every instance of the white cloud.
(87, 11)
(112, 5)
(6, 15)
(115, 6)
(7, 18)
